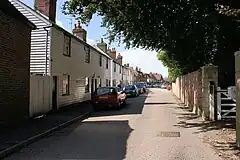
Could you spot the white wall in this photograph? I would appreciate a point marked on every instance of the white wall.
(117, 75)
(76, 67)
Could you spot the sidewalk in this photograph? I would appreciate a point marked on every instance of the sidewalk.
(12, 139)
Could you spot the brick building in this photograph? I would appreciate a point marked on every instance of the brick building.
(15, 38)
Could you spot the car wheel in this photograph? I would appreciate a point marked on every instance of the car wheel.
(124, 102)
(96, 108)
(118, 105)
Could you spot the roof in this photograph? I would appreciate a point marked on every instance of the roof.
(157, 76)
(54, 24)
(99, 50)
(10, 10)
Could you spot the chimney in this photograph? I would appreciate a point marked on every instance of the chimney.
(102, 45)
(127, 64)
(80, 32)
(113, 53)
(109, 51)
(119, 58)
(136, 69)
(47, 7)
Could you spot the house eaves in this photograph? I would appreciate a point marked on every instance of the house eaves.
(9, 9)
(52, 24)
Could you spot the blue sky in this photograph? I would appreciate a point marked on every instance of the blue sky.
(146, 60)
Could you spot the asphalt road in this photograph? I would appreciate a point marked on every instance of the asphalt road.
(146, 129)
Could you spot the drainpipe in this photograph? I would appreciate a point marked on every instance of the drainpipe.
(46, 54)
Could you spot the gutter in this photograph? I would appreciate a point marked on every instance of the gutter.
(46, 51)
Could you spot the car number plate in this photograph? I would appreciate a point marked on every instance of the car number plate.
(103, 97)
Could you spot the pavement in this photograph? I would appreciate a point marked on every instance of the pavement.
(15, 137)
(148, 128)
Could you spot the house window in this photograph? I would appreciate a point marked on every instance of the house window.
(65, 85)
(100, 82)
(114, 82)
(100, 60)
(106, 82)
(87, 87)
(107, 63)
(67, 45)
(87, 54)
(115, 67)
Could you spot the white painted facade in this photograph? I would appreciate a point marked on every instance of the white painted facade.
(69, 72)
(40, 38)
(117, 73)
(76, 68)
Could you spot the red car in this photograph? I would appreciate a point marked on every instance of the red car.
(108, 97)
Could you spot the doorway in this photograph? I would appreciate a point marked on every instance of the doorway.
(54, 93)
(92, 85)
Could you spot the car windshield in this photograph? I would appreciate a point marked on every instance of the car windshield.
(129, 88)
(138, 85)
(102, 91)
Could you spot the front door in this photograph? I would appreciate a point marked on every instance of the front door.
(96, 84)
(92, 85)
(54, 93)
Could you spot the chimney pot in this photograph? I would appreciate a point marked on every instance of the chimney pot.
(47, 7)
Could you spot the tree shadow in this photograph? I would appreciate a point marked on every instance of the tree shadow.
(206, 126)
(90, 139)
(158, 103)
(227, 146)
(187, 116)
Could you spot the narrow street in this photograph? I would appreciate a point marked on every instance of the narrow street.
(146, 129)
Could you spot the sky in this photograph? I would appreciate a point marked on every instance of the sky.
(146, 60)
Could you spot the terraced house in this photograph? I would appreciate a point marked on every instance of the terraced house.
(64, 68)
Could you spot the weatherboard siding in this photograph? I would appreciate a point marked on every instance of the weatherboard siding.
(38, 59)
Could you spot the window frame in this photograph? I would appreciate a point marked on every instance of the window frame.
(67, 43)
(87, 84)
(107, 63)
(114, 67)
(87, 54)
(100, 60)
(67, 91)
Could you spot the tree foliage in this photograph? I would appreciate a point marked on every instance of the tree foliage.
(174, 70)
(193, 32)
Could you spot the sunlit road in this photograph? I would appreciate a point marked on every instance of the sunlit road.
(146, 129)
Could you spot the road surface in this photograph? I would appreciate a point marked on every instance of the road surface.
(146, 129)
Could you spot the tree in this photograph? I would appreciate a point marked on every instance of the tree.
(174, 70)
(193, 33)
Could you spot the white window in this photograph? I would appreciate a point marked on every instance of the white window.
(65, 85)
(87, 87)
(67, 45)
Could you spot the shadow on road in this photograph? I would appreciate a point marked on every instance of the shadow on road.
(134, 106)
(206, 126)
(158, 103)
(220, 134)
(86, 140)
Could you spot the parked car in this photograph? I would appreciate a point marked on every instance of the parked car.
(131, 91)
(141, 88)
(108, 97)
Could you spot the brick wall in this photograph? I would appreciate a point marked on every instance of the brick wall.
(14, 69)
(188, 89)
(193, 89)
